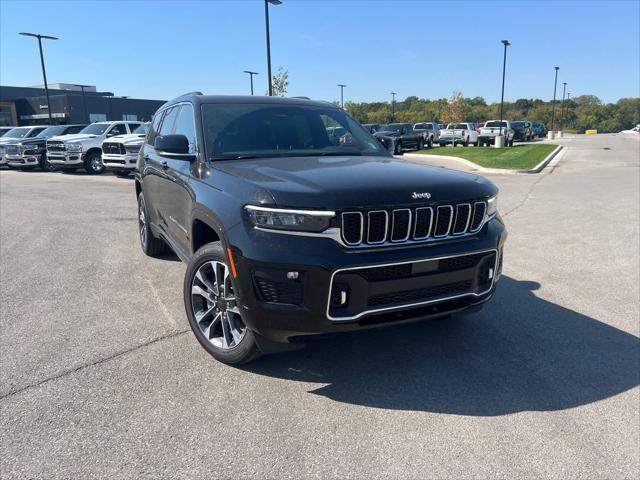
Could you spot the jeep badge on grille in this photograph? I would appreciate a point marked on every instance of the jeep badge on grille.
(416, 195)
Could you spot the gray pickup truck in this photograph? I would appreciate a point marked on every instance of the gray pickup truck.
(492, 129)
(400, 136)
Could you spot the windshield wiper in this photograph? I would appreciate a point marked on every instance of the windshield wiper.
(334, 154)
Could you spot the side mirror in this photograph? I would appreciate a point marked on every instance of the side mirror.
(173, 146)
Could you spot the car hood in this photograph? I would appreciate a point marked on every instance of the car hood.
(354, 181)
(125, 138)
(73, 137)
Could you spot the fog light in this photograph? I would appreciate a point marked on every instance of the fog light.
(292, 275)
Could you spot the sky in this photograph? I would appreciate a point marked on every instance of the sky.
(161, 49)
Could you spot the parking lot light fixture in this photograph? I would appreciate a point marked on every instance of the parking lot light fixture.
(564, 89)
(251, 74)
(342, 85)
(393, 106)
(266, 19)
(504, 67)
(553, 105)
(44, 72)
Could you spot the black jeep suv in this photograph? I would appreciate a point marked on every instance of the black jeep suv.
(290, 231)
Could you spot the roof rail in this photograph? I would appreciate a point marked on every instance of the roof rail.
(304, 98)
(191, 93)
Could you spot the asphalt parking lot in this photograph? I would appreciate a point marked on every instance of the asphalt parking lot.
(101, 376)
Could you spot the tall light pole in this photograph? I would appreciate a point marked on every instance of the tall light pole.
(393, 105)
(266, 19)
(84, 100)
(504, 67)
(251, 74)
(553, 107)
(342, 85)
(44, 73)
(564, 89)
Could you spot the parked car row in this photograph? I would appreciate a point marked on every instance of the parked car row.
(95, 148)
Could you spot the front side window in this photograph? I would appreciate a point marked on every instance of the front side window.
(233, 131)
(118, 129)
(153, 129)
(169, 121)
(185, 126)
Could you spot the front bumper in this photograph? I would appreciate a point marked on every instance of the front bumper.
(65, 159)
(23, 160)
(113, 161)
(266, 260)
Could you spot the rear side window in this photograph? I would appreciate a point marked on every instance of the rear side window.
(153, 129)
(118, 129)
(133, 126)
(169, 121)
(428, 126)
(185, 126)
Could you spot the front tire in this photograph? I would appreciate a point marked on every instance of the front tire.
(430, 142)
(93, 163)
(421, 144)
(151, 245)
(44, 164)
(397, 149)
(212, 309)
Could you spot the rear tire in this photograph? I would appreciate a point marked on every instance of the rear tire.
(93, 163)
(397, 149)
(430, 142)
(44, 164)
(511, 143)
(151, 245)
(421, 144)
(216, 320)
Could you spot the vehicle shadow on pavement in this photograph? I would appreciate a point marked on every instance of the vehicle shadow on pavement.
(519, 353)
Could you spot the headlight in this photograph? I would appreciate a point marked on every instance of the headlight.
(492, 207)
(74, 147)
(132, 148)
(292, 220)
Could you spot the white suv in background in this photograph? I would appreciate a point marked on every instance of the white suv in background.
(83, 150)
(120, 153)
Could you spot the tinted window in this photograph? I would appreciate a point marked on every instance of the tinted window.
(118, 129)
(133, 126)
(35, 132)
(153, 129)
(73, 129)
(185, 126)
(169, 121)
(267, 130)
(428, 126)
(496, 124)
(517, 124)
(461, 126)
(95, 129)
(51, 132)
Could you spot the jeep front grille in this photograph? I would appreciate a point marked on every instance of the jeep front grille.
(377, 227)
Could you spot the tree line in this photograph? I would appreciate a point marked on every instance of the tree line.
(577, 114)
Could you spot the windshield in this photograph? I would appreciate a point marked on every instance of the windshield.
(496, 124)
(392, 127)
(96, 128)
(20, 132)
(50, 132)
(142, 129)
(234, 131)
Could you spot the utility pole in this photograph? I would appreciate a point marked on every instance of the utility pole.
(553, 106)
(251, 74)
(341, 85)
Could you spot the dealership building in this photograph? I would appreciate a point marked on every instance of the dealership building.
(70, 104)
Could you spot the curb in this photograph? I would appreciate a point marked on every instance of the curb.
(498, 171)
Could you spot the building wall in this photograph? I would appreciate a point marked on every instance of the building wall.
(68, 107)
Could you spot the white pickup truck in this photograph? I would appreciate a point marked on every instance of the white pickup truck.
(83, 150)
(493, 128)
(459, 133)
(120, 153)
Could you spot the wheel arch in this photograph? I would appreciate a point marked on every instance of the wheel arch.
(93, 150)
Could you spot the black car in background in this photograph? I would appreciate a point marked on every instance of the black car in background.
(289, 232)
(522, 130)
(397, 137)
(32, 152)
(539, 130)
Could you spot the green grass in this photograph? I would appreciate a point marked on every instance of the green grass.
(518, 157)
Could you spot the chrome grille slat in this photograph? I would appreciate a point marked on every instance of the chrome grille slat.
(420, 224)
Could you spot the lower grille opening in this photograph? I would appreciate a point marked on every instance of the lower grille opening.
(273, 287)
(419, 294)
